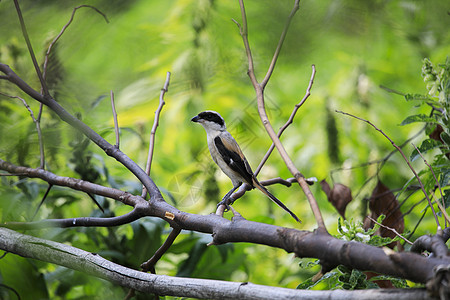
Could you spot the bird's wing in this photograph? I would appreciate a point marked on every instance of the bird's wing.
(233, 157)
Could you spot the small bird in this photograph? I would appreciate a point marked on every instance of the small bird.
(228, 156)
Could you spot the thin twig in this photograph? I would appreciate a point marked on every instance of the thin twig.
(95, 202)
(440, 205)
(30, 49)
(11, 289)
(289, 121)
(391, 229)
(44, 89)
(42, 201)
(404, 157)
(280, 44)
(243, 31)
(151, 143)
(63, 30)
(116, 123)
(38, 128)
(149, 265)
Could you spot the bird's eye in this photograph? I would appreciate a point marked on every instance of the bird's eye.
(212, 117)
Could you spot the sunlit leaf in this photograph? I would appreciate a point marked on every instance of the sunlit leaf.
(418, 118)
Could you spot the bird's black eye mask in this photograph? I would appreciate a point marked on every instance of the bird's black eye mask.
(212, 117)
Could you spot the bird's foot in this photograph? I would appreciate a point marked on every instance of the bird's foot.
(226, 201)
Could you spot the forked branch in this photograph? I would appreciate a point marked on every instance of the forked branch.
(259, 89)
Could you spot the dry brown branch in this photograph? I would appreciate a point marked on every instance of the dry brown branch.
(149, 265)
(50, 47)
(289, 121)
(391, 229)
(259, 89)
(116, 122)
(151, 144)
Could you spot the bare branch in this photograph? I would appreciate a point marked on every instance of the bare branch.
(30, 49)
(151, 143)
(38, 128)
(289, 121)
(76, 184)
(391, 229)
(42, 201)
(244, 34)
(50, 47)
(150, 264)
(94, 264)
(116, 123)
(259, 89)
(76, 222)
(404, 157)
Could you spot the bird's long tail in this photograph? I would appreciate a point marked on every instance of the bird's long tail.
(274, 199)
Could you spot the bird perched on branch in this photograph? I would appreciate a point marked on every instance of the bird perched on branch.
(228, 156)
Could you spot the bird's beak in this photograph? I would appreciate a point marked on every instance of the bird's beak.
(195, 119)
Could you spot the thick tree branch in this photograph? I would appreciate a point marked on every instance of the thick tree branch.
(73, 183)
(329, 250)
(94, 264)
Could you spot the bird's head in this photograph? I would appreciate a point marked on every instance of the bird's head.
(210, 120)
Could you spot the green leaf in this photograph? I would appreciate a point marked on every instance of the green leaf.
(445, 137)
(410, 97)
(309, 283)
(417, 118)
(444, 178)
(427, 145)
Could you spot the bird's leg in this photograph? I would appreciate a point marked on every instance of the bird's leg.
(226, 198)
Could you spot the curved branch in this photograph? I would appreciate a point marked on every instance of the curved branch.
(50, 47)
(149, 265)
(404, 157)
(37, 122)
(127, 218)
(73, 183)
(329, 250)
(259, 89)
(94, 264)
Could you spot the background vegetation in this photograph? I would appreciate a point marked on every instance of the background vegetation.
(356, 47)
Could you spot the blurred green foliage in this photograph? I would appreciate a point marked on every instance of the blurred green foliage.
(356, 46)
